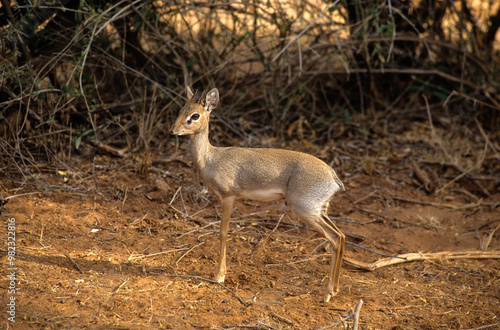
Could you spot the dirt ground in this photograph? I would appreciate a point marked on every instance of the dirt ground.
(100, 246)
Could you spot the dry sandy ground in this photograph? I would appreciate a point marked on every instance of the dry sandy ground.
(105, 247)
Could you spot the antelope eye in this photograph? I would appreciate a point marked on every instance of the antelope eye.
(195, 116)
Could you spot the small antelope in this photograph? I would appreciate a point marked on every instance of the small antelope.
(306, 183)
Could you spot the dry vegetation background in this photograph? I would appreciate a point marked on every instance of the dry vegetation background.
(402, 97)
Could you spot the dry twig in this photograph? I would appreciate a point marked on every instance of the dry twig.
(357, 310)
(74, 263)
(422, 256)
(353, 314)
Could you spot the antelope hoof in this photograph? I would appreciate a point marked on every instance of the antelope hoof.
(219, 278)
(328, 296)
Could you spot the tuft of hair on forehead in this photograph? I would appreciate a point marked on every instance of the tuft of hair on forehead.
(197, 98)
(202, 97)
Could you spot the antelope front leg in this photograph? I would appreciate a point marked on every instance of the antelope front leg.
(227, 208)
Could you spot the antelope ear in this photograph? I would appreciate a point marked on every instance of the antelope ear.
(212, 100)
(189, 93)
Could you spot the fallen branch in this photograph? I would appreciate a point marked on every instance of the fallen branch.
(422, 256)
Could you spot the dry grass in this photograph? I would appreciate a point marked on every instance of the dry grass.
(299, 71)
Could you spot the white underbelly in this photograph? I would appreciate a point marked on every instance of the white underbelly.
(265, 195)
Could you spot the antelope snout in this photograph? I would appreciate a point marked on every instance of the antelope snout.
(173, 132)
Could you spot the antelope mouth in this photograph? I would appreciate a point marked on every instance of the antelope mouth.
(180, 132)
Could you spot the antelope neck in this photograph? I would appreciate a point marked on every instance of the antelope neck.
(200, 147)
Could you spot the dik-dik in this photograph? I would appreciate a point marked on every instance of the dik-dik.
(306, 183)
